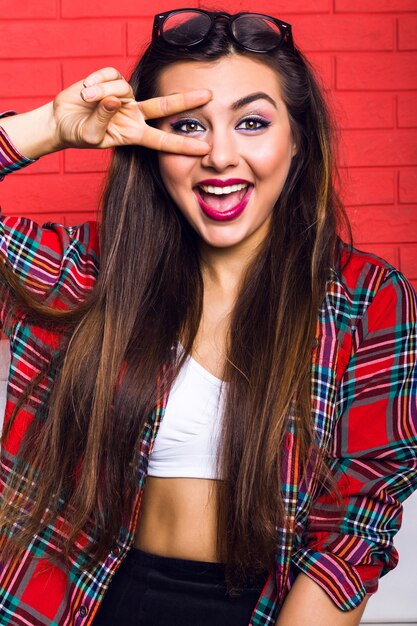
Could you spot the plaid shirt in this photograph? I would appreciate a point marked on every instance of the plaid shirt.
(364, 407)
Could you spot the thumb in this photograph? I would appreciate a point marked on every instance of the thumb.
(110, 105)
(95, 127)
(106, 109)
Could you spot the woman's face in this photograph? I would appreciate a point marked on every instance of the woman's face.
(228, 195)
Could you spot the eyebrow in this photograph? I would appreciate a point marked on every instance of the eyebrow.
(235, 106)
(258, 95)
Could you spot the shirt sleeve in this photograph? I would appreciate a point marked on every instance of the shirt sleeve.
(11, 159)
(374, 456)
(51, 259)
(57, 263)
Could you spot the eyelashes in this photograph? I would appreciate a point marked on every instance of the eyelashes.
(194, 126)
(179, 127)
(257, 123)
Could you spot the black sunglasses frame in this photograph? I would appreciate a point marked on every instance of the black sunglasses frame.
(285, 28)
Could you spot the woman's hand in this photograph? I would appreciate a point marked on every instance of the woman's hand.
(101, 112)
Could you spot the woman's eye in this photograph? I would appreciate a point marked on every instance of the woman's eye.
(186, 126)
(192, 126)
(253, 123)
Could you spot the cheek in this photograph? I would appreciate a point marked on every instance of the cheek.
(269, 159)
(174, 168)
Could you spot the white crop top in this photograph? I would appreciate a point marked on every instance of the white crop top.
(186, 443)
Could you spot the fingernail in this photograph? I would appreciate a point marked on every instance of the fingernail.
(203, 93)
(89, 81)
(90, 92)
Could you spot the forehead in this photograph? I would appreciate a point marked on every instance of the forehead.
(229, 77)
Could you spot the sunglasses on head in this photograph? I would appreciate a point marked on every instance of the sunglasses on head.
(255, 32)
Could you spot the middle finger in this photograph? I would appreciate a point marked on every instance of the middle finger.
(169, 142)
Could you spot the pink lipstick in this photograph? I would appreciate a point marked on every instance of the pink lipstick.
(217, 182)
(230, 213)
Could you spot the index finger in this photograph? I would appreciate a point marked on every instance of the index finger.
(174, 103)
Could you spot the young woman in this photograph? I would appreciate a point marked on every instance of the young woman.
(211, 412)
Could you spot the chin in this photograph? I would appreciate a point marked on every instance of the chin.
(221, 242)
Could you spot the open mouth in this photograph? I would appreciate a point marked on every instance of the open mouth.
(223, 203)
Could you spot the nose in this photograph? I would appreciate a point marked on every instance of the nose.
(224, 152)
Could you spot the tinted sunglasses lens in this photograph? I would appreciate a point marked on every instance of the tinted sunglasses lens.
(185, 28)
(257, 32)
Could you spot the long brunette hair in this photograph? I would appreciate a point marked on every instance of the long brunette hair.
(148, 294)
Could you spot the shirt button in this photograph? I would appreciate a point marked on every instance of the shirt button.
(115, 551)
(83, 610)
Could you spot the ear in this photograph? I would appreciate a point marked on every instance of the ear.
(294, 149)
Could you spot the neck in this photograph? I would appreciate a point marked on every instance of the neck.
(224, 268)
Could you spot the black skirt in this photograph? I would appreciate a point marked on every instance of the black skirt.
(151, 590)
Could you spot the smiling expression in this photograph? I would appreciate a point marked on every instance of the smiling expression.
(228, 195)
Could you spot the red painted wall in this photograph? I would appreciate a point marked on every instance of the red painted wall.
(364, 50)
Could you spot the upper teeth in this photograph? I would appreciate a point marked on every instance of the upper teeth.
(223, 190)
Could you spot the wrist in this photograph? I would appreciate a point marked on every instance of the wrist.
(34, 133)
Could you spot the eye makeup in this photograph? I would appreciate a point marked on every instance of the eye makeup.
(260, 121)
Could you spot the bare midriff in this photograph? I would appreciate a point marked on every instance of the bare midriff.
(178, 518)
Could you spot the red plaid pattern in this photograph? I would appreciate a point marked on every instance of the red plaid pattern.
(364, 407)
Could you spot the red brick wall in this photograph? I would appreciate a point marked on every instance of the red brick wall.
(364, 50)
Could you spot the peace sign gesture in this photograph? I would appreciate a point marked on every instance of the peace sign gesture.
(101, 112)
